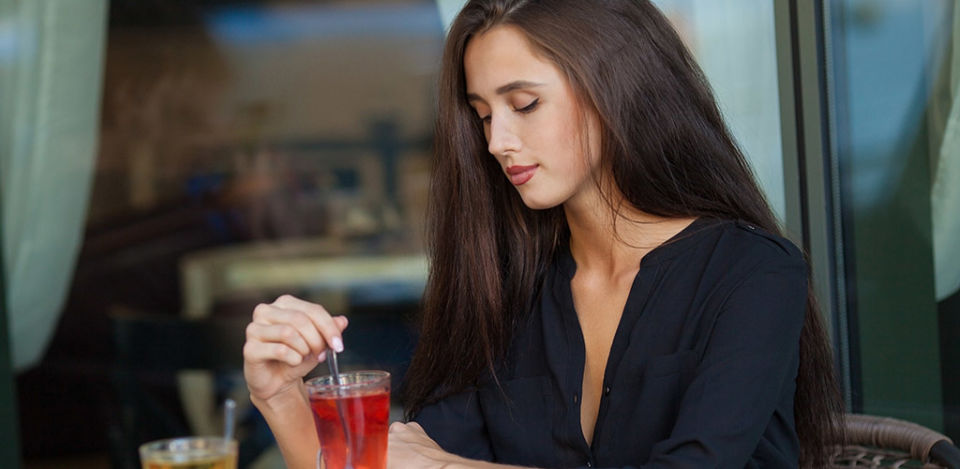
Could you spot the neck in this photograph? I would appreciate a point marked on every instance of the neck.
(613, 240)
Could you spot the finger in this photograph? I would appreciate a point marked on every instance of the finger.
(411, 434)
(409, 428)
(292, 302)
(286, 334)
(305, 325)
(396, 427)
(262, 313)
(325, 323)
(415, 427)
(260, 352)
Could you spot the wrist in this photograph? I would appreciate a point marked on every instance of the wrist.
(290, 419)
(290, 398)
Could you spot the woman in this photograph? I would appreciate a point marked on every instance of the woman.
(608, 287)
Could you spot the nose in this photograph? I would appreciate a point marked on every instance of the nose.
(501, 137)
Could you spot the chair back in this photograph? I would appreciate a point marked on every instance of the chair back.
(884, 442)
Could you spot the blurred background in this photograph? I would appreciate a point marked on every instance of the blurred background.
(166, 165)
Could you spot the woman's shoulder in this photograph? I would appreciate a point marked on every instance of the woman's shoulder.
(747, 240)
(744, 261)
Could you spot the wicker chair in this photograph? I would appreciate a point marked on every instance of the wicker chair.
(883, 442)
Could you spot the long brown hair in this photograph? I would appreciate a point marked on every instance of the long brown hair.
(671, 155)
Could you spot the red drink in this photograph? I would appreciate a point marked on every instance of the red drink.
(365, 403)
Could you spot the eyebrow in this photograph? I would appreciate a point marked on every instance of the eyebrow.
(512, 86)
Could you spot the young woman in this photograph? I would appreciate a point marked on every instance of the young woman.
(608, 286)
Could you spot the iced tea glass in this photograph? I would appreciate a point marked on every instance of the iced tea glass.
(352, 418)
(202, 452)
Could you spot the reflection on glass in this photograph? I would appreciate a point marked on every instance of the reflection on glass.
(734, 43)
(246, 149)
(895, 119)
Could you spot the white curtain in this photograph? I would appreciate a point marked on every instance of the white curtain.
(945, 193)
(51, 60)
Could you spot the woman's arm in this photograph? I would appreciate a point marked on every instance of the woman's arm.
(748, 367)
(409, 447)
(289, 416)
(285, 340)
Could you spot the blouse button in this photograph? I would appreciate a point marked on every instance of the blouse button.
(576, 398)
(589, 464)
(606, 391)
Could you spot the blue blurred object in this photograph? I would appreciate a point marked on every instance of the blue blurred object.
(254, 24)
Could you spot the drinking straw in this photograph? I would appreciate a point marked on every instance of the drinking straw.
(335, 373)
(229, 409)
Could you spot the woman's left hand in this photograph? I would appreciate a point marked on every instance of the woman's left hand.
(410, 447)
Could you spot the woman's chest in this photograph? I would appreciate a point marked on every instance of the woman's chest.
(536, 416)
(599, 303)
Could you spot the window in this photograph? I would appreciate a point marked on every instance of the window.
(894, 116)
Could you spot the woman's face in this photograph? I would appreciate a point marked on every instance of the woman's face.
(533, 125)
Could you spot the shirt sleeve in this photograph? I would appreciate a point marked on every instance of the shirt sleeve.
(456, 424)
(751, 356)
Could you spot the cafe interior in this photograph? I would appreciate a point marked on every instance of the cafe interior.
(167, 165)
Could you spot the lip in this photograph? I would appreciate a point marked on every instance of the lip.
(519, 175)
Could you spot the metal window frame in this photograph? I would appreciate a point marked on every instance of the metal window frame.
(811, 174)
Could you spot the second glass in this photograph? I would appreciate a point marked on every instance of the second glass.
(352, 418)
(190, 453)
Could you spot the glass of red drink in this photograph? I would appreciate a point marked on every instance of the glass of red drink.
(352, 418)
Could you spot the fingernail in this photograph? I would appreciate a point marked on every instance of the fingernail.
(321, 357)
(337, 344)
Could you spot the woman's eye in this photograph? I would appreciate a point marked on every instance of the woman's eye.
(529, 107)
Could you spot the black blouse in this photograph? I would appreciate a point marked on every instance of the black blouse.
(701, 373)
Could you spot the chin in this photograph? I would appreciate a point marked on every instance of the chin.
(539, 203)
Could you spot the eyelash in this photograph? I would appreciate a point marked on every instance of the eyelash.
(524, 110)
(529, 107)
